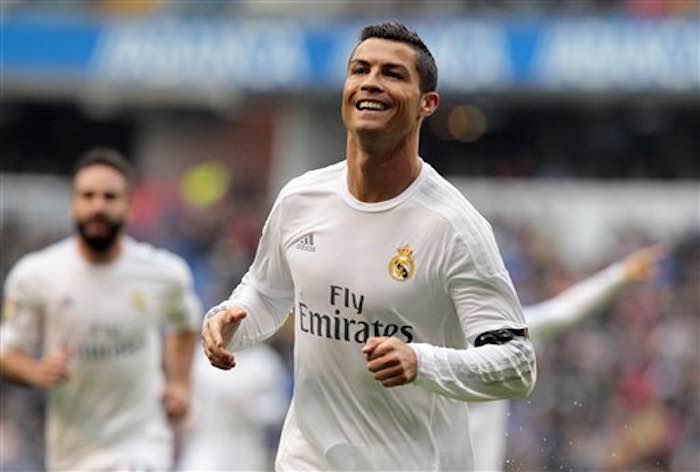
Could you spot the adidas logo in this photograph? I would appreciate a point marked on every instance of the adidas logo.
(307, 243)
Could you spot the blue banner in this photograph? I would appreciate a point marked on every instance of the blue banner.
(473, 55)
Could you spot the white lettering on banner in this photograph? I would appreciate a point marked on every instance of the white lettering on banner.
(259, 55)
(596, 55)
(471, 55)
(589, 54)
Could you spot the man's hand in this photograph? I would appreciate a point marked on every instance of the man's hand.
(392, 361)
(176, 400)
(51, 370)
(217, 333)
(642, 265)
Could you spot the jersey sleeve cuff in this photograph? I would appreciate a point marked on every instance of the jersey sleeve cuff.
(425, 360)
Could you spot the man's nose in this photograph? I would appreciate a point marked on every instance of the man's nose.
(371, 83)
(98, 204)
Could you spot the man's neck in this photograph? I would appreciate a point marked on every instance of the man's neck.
(378, 174)
(100, 257)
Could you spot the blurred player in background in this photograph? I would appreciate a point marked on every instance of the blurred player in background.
(93, 307)
(390, 270)
(234, 416)
(488, 420)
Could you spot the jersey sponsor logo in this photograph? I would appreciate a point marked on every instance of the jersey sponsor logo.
(342, 326)
(307, 243)
(97, 352)
(402, 266)
(108, 340)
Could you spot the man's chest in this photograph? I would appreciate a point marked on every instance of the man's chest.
(370, 268)
(88, 306)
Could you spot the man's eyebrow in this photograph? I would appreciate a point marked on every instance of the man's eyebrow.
(358, 61)
(391, 65)
(388, 65)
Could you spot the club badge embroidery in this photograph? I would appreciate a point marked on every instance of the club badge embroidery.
(138, 301)
(402, 266)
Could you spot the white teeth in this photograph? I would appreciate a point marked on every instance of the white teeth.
(368, 105)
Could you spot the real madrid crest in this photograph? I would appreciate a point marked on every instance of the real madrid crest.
(402, 266)
(138, 301)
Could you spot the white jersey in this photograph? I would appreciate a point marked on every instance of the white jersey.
(232, 412)
(109, 413)
(489, 420)
(423, 267)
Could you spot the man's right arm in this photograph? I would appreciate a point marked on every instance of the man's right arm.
(258, 307)
(20, 331)
(47, 372)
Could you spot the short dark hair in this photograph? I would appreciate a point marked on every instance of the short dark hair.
(395, 31)
(106, 157)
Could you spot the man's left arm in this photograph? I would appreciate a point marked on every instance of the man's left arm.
(490, 372)
(179, 349)
(182, 321)
(503, 366)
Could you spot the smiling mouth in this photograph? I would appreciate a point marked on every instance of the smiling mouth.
(370, 105)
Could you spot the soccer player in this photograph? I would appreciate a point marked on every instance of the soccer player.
(394, 278)
(488, 420)
(95, 307)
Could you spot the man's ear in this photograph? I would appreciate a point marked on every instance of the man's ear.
(429, 103)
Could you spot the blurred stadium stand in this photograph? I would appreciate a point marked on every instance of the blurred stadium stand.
(343, 9)
(573, 125)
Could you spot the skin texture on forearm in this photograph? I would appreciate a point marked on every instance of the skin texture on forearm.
(17, 367)
(179, 349)
(47, 372)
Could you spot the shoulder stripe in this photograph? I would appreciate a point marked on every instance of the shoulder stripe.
(312, 178)
(441, 197)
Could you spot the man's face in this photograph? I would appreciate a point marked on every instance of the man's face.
(382, 88)
(99, 205)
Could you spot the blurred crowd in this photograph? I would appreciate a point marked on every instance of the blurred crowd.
(345, 8)
(619, 392)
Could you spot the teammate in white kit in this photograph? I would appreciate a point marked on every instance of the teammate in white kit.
(95, 306)
(233, 415)
(394, 279)
(488, 420)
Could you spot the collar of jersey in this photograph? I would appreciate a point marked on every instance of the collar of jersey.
(110, 266)
(386, 204)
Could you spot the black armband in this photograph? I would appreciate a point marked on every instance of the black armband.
(499, 336)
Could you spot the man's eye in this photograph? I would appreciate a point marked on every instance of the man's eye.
(394, 75)
(358, 70)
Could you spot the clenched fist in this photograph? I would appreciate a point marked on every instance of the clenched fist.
(392, 361)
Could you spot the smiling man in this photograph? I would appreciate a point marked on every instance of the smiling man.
(394, 278)
(94, 307)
